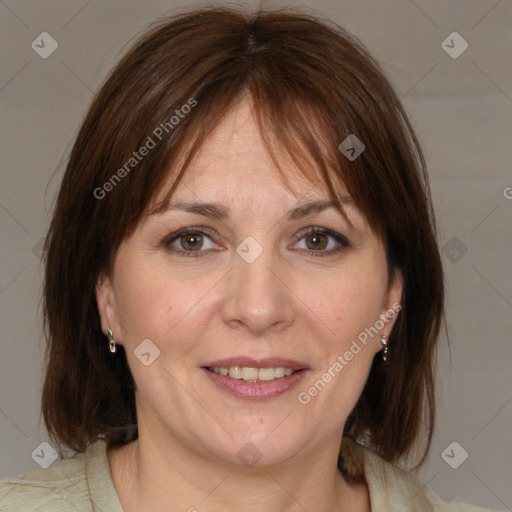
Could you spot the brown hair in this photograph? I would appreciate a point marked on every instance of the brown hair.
(312, 84)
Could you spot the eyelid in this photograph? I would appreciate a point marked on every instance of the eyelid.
(341, 240)
(299, 236)
(184, 231)
(322, 231)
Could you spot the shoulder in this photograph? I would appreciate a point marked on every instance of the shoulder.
(60, 487)
(392, 488)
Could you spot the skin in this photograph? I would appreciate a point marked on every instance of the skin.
(286, 303)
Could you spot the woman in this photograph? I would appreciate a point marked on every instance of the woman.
(243, 290)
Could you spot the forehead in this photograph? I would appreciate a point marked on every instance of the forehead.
(233, 173)
(234, 163)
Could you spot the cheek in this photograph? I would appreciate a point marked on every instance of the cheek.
(157, 304)
(346, 351)
(348, 304)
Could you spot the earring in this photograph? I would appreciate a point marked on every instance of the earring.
(385, 351)
(111, 341)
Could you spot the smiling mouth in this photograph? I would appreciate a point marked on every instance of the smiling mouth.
(252, 374)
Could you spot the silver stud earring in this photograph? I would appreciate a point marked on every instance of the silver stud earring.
(385, 351)
(111, 341)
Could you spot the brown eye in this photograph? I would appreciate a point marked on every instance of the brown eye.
(191, 241)
(318, 240)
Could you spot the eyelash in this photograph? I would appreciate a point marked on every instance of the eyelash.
(342, 240)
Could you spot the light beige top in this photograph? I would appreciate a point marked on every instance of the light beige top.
(84, 483)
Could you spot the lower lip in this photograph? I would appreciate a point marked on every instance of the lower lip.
(256, 390)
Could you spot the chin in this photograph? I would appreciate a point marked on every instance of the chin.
(257, 447)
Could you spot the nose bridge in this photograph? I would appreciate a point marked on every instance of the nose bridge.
(257, 296)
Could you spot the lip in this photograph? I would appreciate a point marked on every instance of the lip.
(267, 362)
(255, 390)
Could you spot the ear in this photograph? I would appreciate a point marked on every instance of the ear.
(392, 303)
(107, 308)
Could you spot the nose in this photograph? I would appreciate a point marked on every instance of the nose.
(258, 297)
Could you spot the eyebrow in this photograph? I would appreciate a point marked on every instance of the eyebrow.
(221, 212)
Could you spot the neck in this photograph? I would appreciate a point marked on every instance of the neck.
(155, 476)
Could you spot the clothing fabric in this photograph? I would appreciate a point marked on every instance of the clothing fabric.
(84, 483)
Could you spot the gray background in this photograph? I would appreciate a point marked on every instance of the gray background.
(462, 111)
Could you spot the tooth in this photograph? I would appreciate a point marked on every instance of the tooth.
(235, 372)
(279, 371)
(249, 373)
(266, 374)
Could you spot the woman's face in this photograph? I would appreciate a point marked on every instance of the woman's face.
(250, 287)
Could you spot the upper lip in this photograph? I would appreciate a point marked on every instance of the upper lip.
(251, 362)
